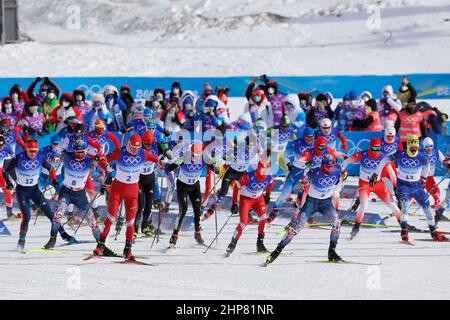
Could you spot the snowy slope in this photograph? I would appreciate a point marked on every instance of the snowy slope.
(186, 272)
(221, 38)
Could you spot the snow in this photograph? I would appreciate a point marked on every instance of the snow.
(405, 272)
(225, 38)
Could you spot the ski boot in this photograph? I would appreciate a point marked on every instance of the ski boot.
(9, 213)
(355, 230)
(71, 240)
(50, 244)
(355, 205)
(147, 228)
(173, 239)
(332, 255)
(231, 247)
(436, 235)
(311, 221)
(198, 237)
(107, 252)
(20, 245)
(404, 234)
(208, 214)
(127, 252)
(275, 253)
(234, 209)
(70, 219)
(98, 251)
(260, 247)
(411, 228)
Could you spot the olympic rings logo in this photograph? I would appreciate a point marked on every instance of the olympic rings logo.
(258, 186)
(194, 167)
(9, 139)
(30, 164)
(77, 166)
(352, 148)
(390, 147)
(410, 162)
(95, 88)
(369, 163)
(131, 161)
(327, 181)
(433, 160)
(410, 119)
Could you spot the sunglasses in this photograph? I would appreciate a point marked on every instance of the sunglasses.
(32, 150)
(376, 148)
(321, 148)
(257, 98)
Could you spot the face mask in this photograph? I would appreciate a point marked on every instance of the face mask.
(66, 104)
(188, 106)
(159, 96)
(79, 97)
(271, 90)
(404, 88)
(8, 108)
(15, 96)
(51, 95)
(34, 109)
(175, 91)
(365, 98)
(43, 94)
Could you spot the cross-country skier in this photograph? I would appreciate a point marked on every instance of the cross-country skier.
(77, 167)
(323, 181)
(5, 153)
(125, 187)
(369, 161)
(434, 156)
(27, 166)
(188, 185)
(252, 185)
(331, 134)
(413, 169)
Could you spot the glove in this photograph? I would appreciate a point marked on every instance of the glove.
(102, 189)
(123, 130)
(309, 165)
(56, 184)
(290, 166)
(373, 179)
(423, 180)
(166, 132)
(267, 198)
(9, 185)
(234, 209)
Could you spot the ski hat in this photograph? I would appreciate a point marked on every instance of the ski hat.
(55, 139)
(258, 97)
(211, 101)
(387, 89)
(32, 146)
(5, 126)
(196, 151)
(412, 146)
(389, 134)
(148, 138)
(80, 92)
(325, 126)
(428, 145)
(329, 97)
(328, 164)
(365, 95)
(263, 170)
(125, 88)
(79, 150)
(66, 97)
(110, 89)
(207, 90)
(187, 100)
(322, 97)
(308, 135)
(374, 148)
(99, 126)
(134, 144)
(148, 113)
(352, 95)
(271, 84)
(320, 145)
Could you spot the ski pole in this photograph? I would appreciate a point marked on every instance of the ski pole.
(215, 184)
(89, 208)
(218, 233)
(215, 209)
(43, 194)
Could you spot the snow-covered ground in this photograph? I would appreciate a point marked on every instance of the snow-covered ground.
(405, 272)
(234, 37)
